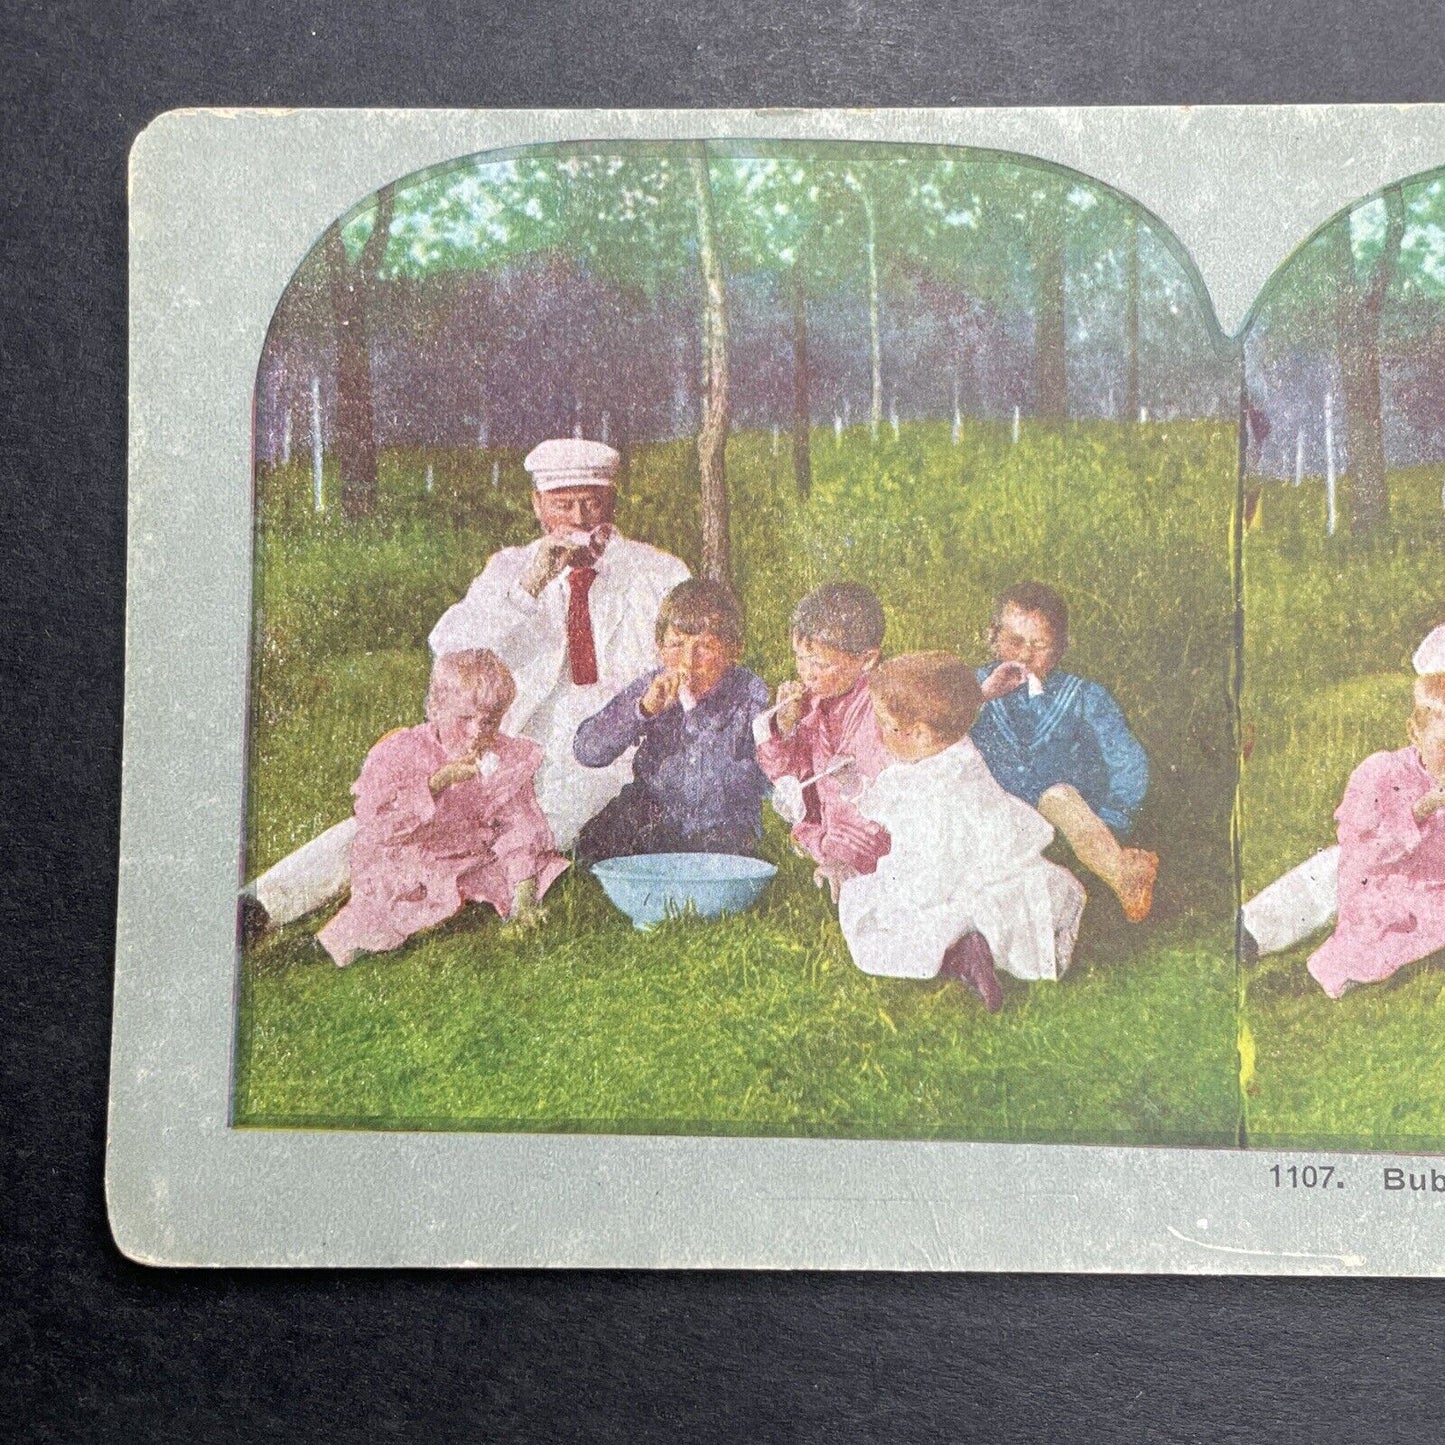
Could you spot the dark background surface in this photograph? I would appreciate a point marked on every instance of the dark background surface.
(93, 1347)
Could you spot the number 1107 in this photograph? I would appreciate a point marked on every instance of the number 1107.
(1307, 1176)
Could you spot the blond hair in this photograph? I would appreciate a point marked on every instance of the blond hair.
(936, 689)
(480, 671)
(1429, 698)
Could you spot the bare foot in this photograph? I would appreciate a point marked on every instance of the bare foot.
(1136, 884)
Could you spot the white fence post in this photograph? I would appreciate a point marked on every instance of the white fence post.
(286, 438)
(775, 438)
(317, 500)
(496, 470)
(606, 425)
(837, 430)
(430, 477)
(1016, 426)
(1299, 456)
(893, 417)
(1330, 518)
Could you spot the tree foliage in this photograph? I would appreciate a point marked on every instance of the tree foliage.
(1359, 311)
(568, 284)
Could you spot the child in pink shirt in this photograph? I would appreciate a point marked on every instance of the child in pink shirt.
(826, 719)
(446, 815)
(1392, 856)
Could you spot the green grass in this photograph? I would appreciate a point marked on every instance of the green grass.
(761, 1024)
(1329, 629)
(757, 1025)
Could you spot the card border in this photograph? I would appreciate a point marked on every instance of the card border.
(182, 1186)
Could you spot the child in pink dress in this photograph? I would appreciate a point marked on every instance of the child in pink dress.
(1392, 856)
(822, 731)
(446, 815)
(825, 719)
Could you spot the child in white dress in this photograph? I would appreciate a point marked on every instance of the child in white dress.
(965, 887)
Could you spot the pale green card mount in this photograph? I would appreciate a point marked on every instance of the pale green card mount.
(223, 206)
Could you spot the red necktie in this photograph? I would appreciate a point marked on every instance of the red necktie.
(581, 651)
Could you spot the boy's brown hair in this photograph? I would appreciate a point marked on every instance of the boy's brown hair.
(701, 605)
(1040, 599)
(845, 615)
(933, 688)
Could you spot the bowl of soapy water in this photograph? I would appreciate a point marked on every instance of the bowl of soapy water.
(649, 887)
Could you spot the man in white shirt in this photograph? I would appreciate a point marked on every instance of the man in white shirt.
(572, 615)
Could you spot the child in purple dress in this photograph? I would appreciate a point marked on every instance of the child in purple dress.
(446, 815)
(1392, 856)
(696, 786)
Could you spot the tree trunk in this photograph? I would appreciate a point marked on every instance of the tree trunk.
(1358, 313)
(966, 334)
(704, 367)
(1131, 318)
(355, 416)
(713, 433)
(318, 469)
(802, 405)
(1051, 387)
(875, 338)
(681, 386)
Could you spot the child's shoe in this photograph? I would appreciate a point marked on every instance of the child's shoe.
(253, 923)
(970, 960)
(1248, 945)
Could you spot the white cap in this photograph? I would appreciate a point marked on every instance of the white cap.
(572, 462)
(1430, 655)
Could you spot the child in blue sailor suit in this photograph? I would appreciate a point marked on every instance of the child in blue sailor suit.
(696, 786)
(1062, 744)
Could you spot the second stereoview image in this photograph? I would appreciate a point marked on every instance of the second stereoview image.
(1343, 788)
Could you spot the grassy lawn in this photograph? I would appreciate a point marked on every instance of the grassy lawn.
(761, 1024)
(1329, 629)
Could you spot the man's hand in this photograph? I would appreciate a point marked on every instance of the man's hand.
(790, 706)
(1007, 677)
(449, 773)
(1430, 804)
(834, 874)
(547, 562)
(661, 693)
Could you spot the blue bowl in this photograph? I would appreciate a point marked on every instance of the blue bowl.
(650, 886)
